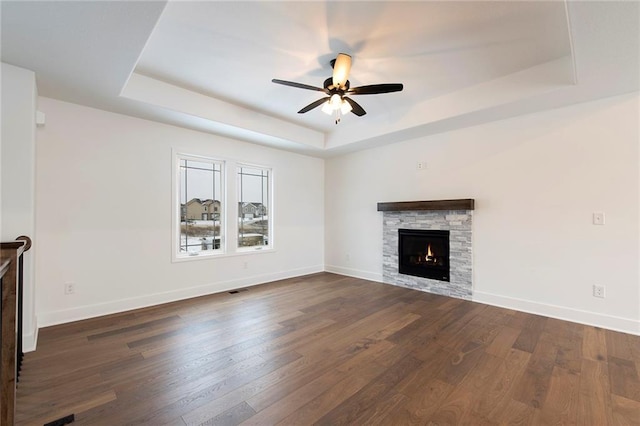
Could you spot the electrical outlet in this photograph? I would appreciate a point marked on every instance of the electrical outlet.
(245, 265)
(598, 291)
(347, 257)
(69, 288)
(421, 165)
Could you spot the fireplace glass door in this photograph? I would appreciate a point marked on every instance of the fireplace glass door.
(424, 253)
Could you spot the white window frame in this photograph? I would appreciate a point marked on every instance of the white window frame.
(270, 209)
(176, 255)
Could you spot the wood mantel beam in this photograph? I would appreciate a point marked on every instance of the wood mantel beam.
(461, 204)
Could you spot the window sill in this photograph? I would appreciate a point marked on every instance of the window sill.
(240, 252)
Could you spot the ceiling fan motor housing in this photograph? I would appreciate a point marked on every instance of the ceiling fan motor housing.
(328, 84)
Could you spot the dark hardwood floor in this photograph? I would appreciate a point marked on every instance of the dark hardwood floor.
(330, 350)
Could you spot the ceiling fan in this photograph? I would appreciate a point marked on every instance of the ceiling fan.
(337, 87)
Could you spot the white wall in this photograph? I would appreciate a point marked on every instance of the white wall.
(104, 210)
(104, 214)
(536, 180)
(19, 100)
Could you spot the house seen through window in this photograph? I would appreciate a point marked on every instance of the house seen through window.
(254, 204)
(200, 189)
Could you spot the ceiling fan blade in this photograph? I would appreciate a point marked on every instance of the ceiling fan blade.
(314, 105)
(374, 89)
(341, 70)
(298, 85)
(355, 107)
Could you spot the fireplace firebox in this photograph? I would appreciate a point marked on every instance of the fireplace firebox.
(424, 253)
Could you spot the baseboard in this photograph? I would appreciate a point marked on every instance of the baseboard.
(356, 273)
(30, 341)
(625, 325)
(46, 319)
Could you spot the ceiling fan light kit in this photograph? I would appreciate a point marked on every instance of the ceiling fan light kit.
(337, 87)
(336, 105)
(341, 69)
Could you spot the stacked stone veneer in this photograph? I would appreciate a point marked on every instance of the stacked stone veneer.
(458, 222)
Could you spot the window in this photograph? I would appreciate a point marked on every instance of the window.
(200, 185)
(254, 207)
(204, 219)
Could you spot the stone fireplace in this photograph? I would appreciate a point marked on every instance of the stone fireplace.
(427, 245)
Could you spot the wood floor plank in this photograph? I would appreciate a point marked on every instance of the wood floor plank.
(626, 412)
(366, 352)
(279, 384)
(534, 383)
(457, 406)
(227, 340)
(329, 349)
(377, 413)
(499, 388)
(503, 342)
(317, 407)
(159, 411)
(349, 410)
(624, 378)
(298, 374)
(421, 403)
(594, 404)
(516, 413)
(618, 345)
(461, 363)
(135, 327)
(434, 358)
(291, 376)
(309, 402)
(561, 404)
(272, 407)
(233, 416)
(64, 409)
(527, 340)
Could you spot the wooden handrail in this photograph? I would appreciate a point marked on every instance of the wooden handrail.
(4, 267)
(18, 246)
(10, 324)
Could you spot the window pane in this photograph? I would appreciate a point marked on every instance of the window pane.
(200, 190)
(253, 207)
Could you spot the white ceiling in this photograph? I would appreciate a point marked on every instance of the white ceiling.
(209, 65)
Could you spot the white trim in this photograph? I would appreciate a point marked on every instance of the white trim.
(176, 156)
(270, 215)
(572, 48)
(224, 255)
(356, 273)
(30, 341)
(46, 319)
(253, 249)
(625, 325)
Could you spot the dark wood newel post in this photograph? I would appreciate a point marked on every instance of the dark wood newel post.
(11, 283)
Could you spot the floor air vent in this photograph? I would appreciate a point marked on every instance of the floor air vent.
(62, 421)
